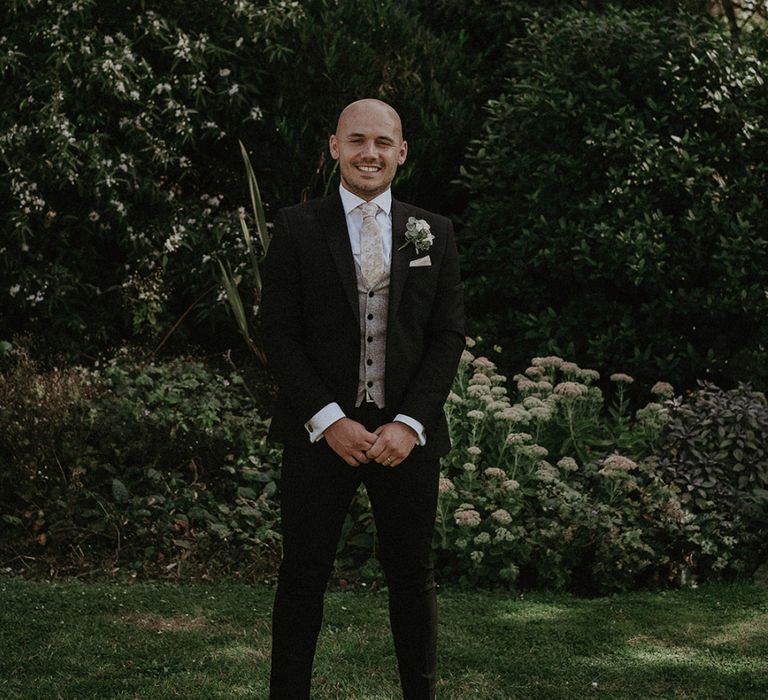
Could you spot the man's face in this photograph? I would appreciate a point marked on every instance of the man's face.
(369, 146)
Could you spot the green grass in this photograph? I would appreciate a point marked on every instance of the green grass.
(152, 640)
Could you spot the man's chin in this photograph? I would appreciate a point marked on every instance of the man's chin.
(366, 190)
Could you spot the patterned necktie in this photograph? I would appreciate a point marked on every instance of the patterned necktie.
(371, 250)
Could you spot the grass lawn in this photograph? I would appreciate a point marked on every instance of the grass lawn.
(153, 640)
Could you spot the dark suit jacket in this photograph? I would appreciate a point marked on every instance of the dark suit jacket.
(311, 330)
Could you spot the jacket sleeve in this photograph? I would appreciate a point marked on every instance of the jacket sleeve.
(282, 326)
(444, 343)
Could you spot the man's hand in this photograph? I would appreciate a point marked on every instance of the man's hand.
(350, 440)
(394, 443)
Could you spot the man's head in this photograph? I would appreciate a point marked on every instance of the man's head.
(369, 146)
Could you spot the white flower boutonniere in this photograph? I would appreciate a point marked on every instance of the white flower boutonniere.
(417, 232)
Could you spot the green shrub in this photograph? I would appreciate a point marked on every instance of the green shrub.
(714, 448)
(618, 209)
(162, 466)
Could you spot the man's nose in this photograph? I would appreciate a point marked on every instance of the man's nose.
(369, 149)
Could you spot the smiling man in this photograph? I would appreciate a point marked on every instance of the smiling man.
(363, 325)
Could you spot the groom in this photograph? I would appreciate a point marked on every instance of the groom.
(363, 328)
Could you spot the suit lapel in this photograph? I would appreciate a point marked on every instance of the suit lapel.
(334, 224)
(400, 258)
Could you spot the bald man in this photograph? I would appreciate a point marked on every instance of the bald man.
(363, 328)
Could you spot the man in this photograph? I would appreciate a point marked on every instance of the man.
(363, 329)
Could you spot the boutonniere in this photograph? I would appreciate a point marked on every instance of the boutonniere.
(417, 232)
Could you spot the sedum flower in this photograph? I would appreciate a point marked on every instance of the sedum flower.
(518, 438)
(516, 414)
(621, 378)
(501, 516)
(476, 391)
(541, 413)
(474, 450)
(536, 451)
(510, 485)
(589, 375)
(482, 538)
(532, 402)
(525, 384)
(474, 414)
(497, 406)
(543, 385)
(549, 361)
(569, 464)
(479, 378)
(445, 485)
(461, 543)
(453, 397)
(476, 556)
(535, 372)
(467, 518)
(571, 389)
(616, 463)
(498, 379)
(469, 467)
(663, 389)
(569, 368)
(546, 472)
(467, 356)
(498, 390)
(495, 473)
(503, 535)
(470, 342)
(483, 363)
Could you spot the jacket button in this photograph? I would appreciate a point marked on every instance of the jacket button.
(370, 383)
(370, 339)
(369, 362)
(370, 317)
(370, 294)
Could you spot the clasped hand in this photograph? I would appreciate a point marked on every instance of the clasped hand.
(389, 444)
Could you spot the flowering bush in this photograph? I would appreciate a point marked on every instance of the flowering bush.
(539, 491)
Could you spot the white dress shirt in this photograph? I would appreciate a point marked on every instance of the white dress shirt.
(332, 412)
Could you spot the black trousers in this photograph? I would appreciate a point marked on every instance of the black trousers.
(317, 487)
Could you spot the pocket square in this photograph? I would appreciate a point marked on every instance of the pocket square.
(421, 262)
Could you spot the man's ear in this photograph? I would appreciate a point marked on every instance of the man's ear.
(333, 145)
(403, 154)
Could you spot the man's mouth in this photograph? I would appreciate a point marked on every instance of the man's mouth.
(368, 168)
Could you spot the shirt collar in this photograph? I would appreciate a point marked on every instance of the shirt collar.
(350, 201)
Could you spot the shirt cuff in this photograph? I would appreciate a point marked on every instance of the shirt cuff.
(413, 423)
(326, 416)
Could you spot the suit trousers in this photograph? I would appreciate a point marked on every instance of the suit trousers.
(316, 489)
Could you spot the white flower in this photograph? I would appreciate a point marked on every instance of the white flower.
(475, 415)
(417, 232)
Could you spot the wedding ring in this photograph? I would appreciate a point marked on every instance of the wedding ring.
(387, 460)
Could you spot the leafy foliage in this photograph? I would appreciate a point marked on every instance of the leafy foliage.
(714, 448)
(148, 466)
(618, 209)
